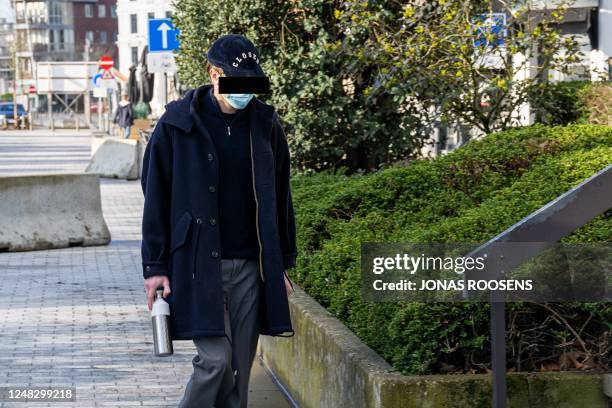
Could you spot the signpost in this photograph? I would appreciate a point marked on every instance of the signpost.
(491, 49)
(163, 41)
(106, 62)
(31, 94)
(103, 81)
(162, 35)
(98, 92)
(490, 23)
(106, 79)
(161, 62)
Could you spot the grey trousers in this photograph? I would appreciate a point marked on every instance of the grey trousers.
(213, 383)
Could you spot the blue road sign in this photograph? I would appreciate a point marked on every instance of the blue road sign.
(162, 35)
(96, 79)
(490, 23)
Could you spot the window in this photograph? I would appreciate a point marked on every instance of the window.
(133, 23)
(103, 37)
(89, 10)
(150, 16)
(115, 36)
(134, 55)
(101, 10)
(55, 13)
(51, 36)
(114, 11)
(89, 37)
(168, 14)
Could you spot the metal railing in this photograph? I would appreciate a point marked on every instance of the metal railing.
(545, 226)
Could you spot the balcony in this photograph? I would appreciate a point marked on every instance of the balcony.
(52, 47)
(38, 20)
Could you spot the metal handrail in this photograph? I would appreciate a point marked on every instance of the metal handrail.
(545, 226)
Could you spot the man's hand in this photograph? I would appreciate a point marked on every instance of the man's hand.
(288, 286)
(151, 284)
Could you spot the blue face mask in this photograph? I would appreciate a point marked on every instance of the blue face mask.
(238, 101)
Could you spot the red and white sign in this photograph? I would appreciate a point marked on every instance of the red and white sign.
(106, 74)
(31, 89)
(106, 62)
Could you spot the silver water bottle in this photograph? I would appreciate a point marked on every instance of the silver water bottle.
(160, 316)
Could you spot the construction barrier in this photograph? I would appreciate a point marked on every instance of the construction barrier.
(51, 211)
(115, 158)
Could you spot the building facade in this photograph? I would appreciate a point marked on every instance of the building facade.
(6, 55)
(43, 32)
(95, 29)
(61, 30)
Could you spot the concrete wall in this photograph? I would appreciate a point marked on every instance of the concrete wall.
(325, 365)
(115, 158)
(51, 211)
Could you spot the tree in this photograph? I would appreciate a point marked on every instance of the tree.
(328, 118)
(442, 58)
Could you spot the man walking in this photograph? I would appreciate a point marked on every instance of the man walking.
(124, 117)
(218, 225)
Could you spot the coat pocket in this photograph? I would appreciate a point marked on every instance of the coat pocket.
(180, 232)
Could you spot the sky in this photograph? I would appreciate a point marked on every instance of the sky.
(5, 10)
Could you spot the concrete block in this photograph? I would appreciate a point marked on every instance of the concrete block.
(97, 138)
(607, 381)
(115, 158)
(51, 211)
(326, 365)
(142, 146)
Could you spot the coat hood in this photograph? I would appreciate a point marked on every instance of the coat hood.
(180, 113)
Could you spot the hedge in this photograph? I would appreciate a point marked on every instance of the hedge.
(467, 196)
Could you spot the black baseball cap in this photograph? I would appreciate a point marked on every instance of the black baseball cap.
(236, 56)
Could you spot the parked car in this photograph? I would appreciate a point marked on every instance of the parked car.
(94, 108)
(6, 110)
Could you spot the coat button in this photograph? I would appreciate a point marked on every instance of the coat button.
(198, 220)
(211, 189)
(214, 254)
(210, 156)
(147, 268)
(213, 221)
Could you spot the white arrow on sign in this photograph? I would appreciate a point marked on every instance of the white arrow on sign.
(164, 28)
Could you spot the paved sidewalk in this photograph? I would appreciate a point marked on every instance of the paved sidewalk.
(77, 316)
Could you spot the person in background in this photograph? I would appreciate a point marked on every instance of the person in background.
(124, 117)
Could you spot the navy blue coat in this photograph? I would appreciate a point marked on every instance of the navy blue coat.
(124, 115)
(180, 170)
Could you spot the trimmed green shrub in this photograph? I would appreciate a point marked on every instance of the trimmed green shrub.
(467, 196)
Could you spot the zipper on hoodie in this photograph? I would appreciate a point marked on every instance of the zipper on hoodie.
(256, 206)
